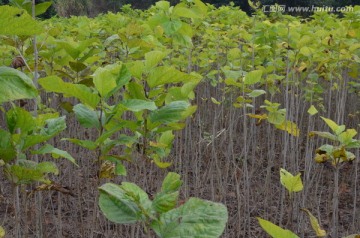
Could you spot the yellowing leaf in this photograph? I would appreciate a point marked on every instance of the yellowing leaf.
(215, 101)
(312, 110)
(350, 236)
(160, 164)
(289, 127)
(351, 33)
(258, 116)
(333, 126)
(315, 224)
(107, 170)
(157, 144)
(2, 232)
(274, 230)
(290, 182)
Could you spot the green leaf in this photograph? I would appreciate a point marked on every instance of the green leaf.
(90, 145)
(253, 77)
(256, 93)
(15, 21)
(55, 153)
(274, 230)
(276, 117)
(290, 182)
(164, 74)
(289, 127)
(123, 204)
(52, 127)
(15, 84)
(18, 118)
(169, 113)
(82, 92)
(164, 202)
(120, 169)
(153, 58)
(312, 110)
(137, 105)
(333, 126)
(111, 78)
(7, 149)
(28, 171)
(315, 224)
(27, 5)
(135, 91)
(77, 66)
(196, 218)
(171, 183)
(324, 134)
(347, 136)
(41, 8)
(166, 138)
(306, 51)
(87, 117)
(185, 12)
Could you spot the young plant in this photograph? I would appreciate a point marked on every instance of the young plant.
(127, 203)
(277, 117)
(24, 132)
(292, 184)
(336, 155)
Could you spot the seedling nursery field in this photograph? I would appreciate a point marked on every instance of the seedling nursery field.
(179, 121)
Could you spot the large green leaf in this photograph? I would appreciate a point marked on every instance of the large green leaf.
(52, 127)
(277, 117)
(324, 134)
(15, 21)
(166, 74)
(87, 117)
(123, 203)
(196, 218)
(153, 58)
(41, 8)
(27, 5)
(18, 118)
(334, 126)
(83, 93)
(55, 153)
(15, 84)
(167, 198)
(90, 145)
(110, 78)
(171, 182)
(169, 113)
(27, 171)
(274, 230)
(347, 136)
(164, 202)
(253, 77)
(135, 91)
(290, 182)
(137, 105)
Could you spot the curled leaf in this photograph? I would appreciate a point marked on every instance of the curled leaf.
(315, 224)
